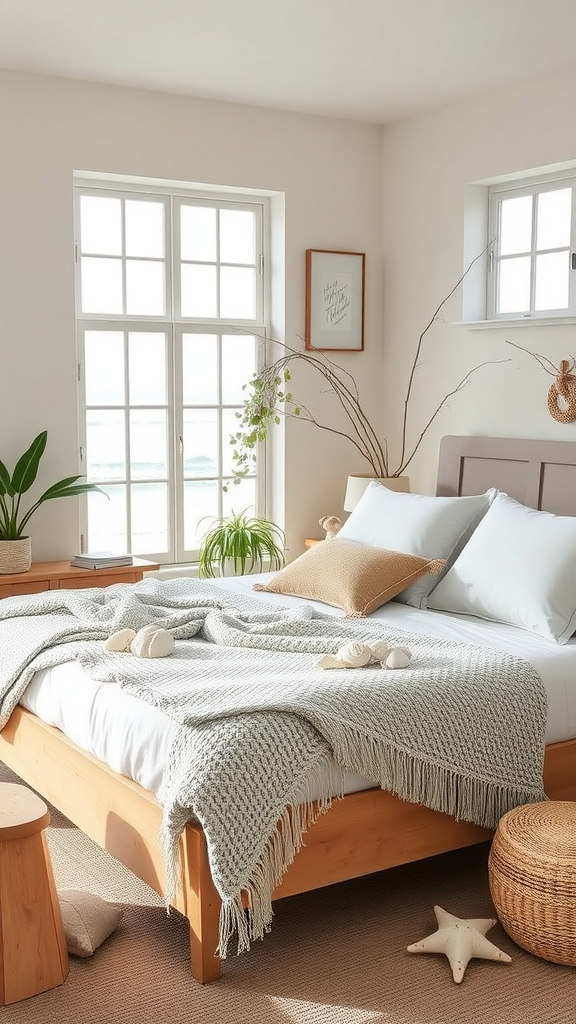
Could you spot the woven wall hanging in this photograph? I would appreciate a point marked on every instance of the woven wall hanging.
(564, 387)
(562, 393)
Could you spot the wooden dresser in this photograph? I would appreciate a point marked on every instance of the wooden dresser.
(63, 576)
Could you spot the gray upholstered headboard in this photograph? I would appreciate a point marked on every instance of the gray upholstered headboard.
(541, 474)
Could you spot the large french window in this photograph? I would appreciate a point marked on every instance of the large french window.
(170, 292)
(532, 265)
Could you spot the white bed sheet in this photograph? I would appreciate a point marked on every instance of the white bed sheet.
(134, 738)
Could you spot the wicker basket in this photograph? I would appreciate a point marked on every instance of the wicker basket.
(532, 875)
(15, 555)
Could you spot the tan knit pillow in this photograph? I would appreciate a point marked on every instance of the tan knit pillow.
(346, 574)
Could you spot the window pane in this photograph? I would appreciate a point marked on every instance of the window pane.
(147, 368)
(516, 225)
(554, 219)
(149, 517)
(200, 509)
(238, 293)
(144, 228)
(104, 367)
(238, 366)
(240, 498)
(200, 442)
(198, 291)
(101, 285)
(100, 225)
(198, 233)
(552, 272)
(200, 369)
(514, 285)
(148, 445)
(107, 520)
(145, 288)
(105, 444)
(237, 236)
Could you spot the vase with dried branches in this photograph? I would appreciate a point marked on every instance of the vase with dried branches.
(269, 398)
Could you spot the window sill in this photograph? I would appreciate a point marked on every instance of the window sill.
(523, 321)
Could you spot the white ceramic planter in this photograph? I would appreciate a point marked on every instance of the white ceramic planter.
(238, 567)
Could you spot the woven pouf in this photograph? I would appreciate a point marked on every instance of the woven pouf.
(532, 875)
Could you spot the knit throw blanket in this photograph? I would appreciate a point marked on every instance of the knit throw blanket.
(461, 730)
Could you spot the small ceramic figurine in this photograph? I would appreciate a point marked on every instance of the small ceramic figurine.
(331, 524)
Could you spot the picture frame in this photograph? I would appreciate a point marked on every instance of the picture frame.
(334, 300)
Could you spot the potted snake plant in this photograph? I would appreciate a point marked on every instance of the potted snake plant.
(237, 545)
(15, 544)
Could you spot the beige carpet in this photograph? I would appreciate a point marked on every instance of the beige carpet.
(336, 956)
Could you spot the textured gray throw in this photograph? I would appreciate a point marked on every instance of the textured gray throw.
(461, 730)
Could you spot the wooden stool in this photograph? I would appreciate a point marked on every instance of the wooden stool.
(33, 954)
(532, 875)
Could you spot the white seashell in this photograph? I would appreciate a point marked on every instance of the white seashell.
(329, 661)
(398, 657)
(381, 650)
(120, 641)
(152, 642)
(354, 654)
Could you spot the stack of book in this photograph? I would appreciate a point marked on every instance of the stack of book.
(100, 560)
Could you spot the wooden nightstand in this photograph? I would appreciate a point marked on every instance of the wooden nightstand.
(311, 542)
(63, 576)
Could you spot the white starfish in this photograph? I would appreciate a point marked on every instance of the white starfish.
(460, 940)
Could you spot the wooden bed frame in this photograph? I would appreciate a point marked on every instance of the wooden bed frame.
(362, 833)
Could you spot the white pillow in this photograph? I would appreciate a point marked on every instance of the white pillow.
(518, 567)
(417, 524)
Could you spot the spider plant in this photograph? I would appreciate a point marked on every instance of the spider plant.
(237, 545)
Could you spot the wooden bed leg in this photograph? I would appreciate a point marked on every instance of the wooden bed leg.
(202, 907)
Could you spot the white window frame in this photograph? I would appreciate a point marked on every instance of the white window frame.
(510, 190)
(175, 326)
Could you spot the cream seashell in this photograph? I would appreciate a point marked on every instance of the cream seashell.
(381, 650)
(330, 661)
(398, 657)
(120, 641)
(354, 654)
(152, 642)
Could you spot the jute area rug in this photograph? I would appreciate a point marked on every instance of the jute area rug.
(335, 956)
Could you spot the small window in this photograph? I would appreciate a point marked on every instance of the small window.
(532, 261)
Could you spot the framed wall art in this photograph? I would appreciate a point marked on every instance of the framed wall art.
(334, 301)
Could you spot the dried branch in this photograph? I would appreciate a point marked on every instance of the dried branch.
(553, 370)
(465, 380)
(415, 361)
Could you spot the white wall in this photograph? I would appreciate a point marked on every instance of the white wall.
(428, 162)
(330, 172)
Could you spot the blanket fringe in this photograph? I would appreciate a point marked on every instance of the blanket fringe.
(436, 786)
(254, 920)
(248, 914)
